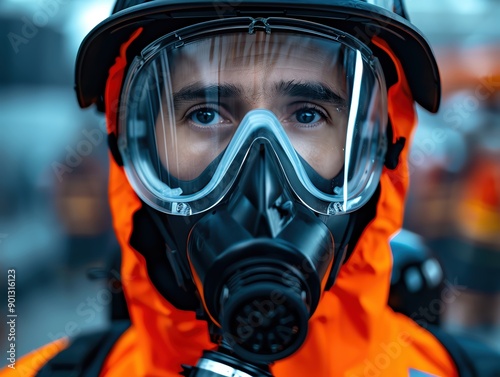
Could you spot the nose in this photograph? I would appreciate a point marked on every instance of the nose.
(264, 204)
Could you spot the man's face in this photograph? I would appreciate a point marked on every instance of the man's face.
(215, 82)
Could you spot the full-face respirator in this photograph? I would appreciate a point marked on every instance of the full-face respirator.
(255, 141)
(263, 134)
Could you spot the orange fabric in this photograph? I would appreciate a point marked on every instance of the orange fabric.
(30, 364)
(112, 92)
(353, 332)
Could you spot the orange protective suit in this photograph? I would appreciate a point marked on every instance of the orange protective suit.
(353, 332)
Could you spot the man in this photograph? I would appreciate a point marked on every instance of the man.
(258, 170)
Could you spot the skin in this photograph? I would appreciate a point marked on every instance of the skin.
(216, 81)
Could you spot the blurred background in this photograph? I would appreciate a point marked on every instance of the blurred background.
(54, 216)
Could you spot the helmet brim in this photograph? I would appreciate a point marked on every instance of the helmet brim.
(101, 46)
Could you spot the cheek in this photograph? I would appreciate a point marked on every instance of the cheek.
(324, 151)
(186, 154)
(330, 161)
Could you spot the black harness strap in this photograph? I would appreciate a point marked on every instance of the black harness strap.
(86, 354)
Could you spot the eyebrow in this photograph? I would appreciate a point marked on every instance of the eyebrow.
(310, 90)
(197, 90)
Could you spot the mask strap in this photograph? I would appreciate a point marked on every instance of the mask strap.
(394, 149)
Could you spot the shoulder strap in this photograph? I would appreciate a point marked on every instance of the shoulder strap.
(472, 357)
(85, 355)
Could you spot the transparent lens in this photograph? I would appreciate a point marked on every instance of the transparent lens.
(187, 102)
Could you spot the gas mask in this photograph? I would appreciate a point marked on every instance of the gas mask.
(253, 144)
(255, 135)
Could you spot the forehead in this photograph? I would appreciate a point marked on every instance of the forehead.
(258, 59)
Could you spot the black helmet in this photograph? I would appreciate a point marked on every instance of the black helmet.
(363, 19)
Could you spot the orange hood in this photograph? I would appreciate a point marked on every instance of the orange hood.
(352, 332)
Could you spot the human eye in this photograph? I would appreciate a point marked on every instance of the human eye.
(205, 116)
(307, 115)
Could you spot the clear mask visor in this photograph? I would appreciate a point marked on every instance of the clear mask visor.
(193, 110)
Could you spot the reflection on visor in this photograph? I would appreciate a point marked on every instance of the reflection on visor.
(186, 106)
(216, 81)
